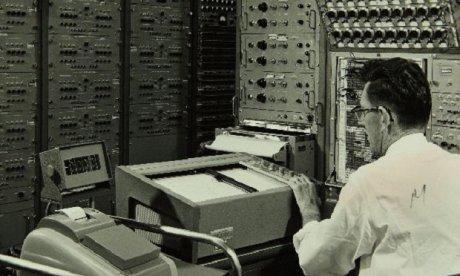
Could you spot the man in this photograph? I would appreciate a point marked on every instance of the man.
(401, 213)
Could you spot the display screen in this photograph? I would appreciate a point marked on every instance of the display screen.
(82, 164)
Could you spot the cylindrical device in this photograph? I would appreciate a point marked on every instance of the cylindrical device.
(439, 34)
(390, 35)
(357, 35)
(426, 34)
(422, 11)
(378, 35)
(414, 34)
(337, 34)
(396, 12)
(374, 13)
(363, 13)
(341, 14)
(331, 14)
(434, 11)
(368, 34)
(385, 12)
(402, 34)
(352, 13)
(409, 12)
(346, 35)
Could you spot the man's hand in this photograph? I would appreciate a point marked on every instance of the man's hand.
(305, 194)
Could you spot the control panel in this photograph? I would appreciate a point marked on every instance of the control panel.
(17, 53)
(18, 92)
(160, 55)
(153, 20)
(18, 16)
(18, 106)
(17, 131)
(68, 127)
(274, 16)
(160, 44)
(445, 115)
(69, 52)
(279, 52)
(348, 140)
(390, 24)
(288, 92)
(447, 138)
(83, 89)
(85, 17)
(164, 119)
(352, 144)
(84, 38)
(281, 70)
(162, 88)
(17, 169)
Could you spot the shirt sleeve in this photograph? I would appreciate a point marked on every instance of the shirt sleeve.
(330, 247)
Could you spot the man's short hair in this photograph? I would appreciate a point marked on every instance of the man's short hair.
(402, 86)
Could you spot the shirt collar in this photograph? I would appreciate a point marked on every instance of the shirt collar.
(408, 143)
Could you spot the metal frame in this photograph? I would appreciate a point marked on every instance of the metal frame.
(125, 81)
(41, 124)
(30, 266)
(193, 83)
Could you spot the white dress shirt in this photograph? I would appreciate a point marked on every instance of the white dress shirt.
(400, 214)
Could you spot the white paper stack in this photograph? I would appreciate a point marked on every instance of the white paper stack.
(250, 145)
(202, 187)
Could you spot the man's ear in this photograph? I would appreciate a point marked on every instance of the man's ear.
(386, 117)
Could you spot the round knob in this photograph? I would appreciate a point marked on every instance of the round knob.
(262, 45)
(263, 7)
(262, 83)
(396, 12)
(261, 98)
(262, 61)
(262, 22)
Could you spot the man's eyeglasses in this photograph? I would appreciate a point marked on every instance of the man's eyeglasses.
(361, 112)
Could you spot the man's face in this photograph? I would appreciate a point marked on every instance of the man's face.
(372, 125)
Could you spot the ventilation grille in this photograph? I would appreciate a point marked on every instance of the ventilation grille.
(147, 215)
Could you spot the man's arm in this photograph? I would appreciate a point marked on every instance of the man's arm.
(331, 246)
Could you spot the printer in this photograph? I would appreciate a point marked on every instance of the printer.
(240, 198)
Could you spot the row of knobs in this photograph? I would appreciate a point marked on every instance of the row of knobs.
(263, 61)
(263, 45)
(262, 83)
(263, 7)
(222, 2)
(208, 8)
(262, 98)
(384, 13)
(390, 35)
(263, 23)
